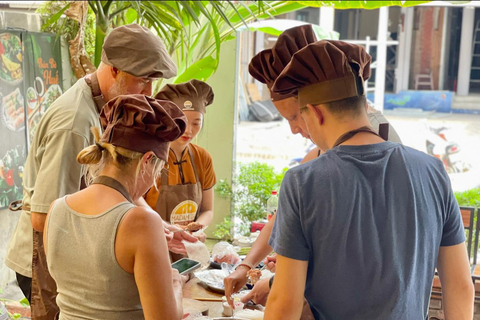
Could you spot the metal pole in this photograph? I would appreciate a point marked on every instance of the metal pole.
(404, 63)
(327, 18)
(441, 74)
(465, 63)
(381, 58)
(367, 48)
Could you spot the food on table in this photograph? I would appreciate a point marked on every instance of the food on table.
(225, 252)
(194, 226)
(228, 258)
(13, 114)
(254, 275)
(11, 57)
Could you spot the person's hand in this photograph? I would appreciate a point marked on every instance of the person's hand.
(259, 293)
(178, 279)
(168, 234)
(234, 282)
(270, 262)
(175, 244)
(200, 236)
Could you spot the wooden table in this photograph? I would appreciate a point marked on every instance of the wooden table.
(196, 290)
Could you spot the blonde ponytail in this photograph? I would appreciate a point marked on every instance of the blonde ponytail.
(96, 156)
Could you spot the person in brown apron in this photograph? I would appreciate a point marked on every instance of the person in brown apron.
(186, 188)
(67, 126)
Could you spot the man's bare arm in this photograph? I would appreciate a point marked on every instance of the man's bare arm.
(286, 297)
(457, 287)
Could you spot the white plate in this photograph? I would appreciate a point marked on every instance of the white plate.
(213, 279)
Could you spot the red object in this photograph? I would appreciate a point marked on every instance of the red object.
(9, 177)
(2, 49)
(257, 226)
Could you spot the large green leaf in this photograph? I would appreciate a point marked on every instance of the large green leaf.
(200, 70)
(276, 27)
(363, 4)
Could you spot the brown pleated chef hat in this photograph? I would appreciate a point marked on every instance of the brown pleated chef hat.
(138, 51)
(325, 71)
(193, 95)
(267, 65)
(140, 123)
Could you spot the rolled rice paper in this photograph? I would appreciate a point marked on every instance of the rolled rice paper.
(197, 251)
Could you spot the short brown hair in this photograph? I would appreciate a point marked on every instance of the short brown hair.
(353, 106)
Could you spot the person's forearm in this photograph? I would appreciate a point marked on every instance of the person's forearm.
(205, 217)
(458, 302)
(282, 307)
(38, 220)
(179, 300)
(261, 248)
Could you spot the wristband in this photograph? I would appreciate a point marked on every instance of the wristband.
(270, 282)
(246, 264)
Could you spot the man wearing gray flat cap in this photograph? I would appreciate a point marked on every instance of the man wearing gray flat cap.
(132, 57)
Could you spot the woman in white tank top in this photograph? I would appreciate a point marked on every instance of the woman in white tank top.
(105, 253)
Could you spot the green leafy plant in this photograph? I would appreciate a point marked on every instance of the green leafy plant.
(53, 21)
(469, 198)
(249, 192)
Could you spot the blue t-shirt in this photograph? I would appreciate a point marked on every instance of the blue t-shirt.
(369, 220)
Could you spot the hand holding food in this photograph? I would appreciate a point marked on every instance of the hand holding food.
(259, 293)
(175, 244)
(234, 282)
(194, 226)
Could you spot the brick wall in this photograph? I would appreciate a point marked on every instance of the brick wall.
(427, 43)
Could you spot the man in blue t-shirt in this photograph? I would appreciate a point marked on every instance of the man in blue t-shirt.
(360, 230)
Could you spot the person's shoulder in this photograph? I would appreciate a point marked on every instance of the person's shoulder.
(199, 151)
(418, 155)
(74, 110)
(142, 219)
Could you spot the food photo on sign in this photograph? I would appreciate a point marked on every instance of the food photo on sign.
(12, 116)
(30, 80)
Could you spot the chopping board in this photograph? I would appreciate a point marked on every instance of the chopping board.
(193, 306)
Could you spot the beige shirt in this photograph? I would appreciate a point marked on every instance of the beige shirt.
(51, 170)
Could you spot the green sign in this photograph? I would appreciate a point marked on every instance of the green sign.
(30, 80)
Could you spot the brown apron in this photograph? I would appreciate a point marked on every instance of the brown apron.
(44, 289)
(180, 204)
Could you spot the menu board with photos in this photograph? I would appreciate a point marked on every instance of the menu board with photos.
(30, 80)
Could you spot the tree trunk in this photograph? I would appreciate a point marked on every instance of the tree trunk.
(79, 61)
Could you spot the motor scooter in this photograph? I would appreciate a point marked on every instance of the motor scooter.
(439, 146)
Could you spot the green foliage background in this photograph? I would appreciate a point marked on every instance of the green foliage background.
(251, 188)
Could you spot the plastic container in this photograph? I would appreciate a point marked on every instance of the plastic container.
(272, 205)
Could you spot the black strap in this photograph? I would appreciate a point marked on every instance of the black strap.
(92, 81)
(114, 184)
(383, 129)
(346, 136)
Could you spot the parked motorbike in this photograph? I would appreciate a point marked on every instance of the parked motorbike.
(439, 146)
